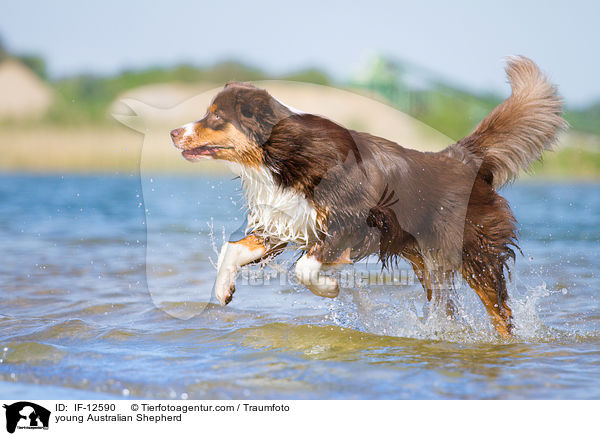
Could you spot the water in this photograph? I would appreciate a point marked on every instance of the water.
(78, 320)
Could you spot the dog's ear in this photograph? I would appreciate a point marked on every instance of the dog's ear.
(256, 114)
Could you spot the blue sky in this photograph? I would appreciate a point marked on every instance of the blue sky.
(463, 41)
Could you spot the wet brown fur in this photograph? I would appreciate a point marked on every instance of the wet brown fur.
(439, 211)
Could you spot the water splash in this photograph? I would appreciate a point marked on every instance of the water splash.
(527, 322)
(406, 313)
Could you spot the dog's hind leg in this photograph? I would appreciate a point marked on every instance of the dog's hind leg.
(236, 254)
(501, 315)
(494, 297)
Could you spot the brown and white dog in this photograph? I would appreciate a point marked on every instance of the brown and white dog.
(341, 195)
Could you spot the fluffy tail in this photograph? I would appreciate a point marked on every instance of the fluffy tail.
(517, 131)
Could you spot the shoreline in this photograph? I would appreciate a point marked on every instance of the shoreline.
(115, 149)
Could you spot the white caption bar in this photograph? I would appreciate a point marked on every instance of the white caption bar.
(306, 417)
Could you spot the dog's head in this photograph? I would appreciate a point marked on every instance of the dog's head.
(236, 126)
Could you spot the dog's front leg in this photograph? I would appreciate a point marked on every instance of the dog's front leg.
(233, 256)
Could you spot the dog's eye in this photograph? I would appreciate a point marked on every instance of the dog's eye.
(217, 117)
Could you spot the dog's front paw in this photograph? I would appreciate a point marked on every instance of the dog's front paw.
(225, 286)
(226, 295)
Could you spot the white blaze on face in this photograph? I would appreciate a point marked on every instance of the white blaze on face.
(188, 129)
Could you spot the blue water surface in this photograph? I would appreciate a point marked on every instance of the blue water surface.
(84, 314)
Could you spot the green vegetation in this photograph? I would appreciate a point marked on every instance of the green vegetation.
(455, 112)
(83, 101)
(585, 120)
(448, 109)
(451, 111)
(86, 98)
(569, 162)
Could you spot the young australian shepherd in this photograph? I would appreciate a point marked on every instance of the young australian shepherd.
(341, 195)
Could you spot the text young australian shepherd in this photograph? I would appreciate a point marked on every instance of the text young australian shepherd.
(341, 195)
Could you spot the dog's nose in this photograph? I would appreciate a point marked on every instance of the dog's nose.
(175, 133)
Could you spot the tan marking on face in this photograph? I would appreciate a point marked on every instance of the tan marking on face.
(237, 146)
(213, 108)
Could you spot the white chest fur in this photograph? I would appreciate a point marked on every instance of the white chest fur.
(275, 211)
